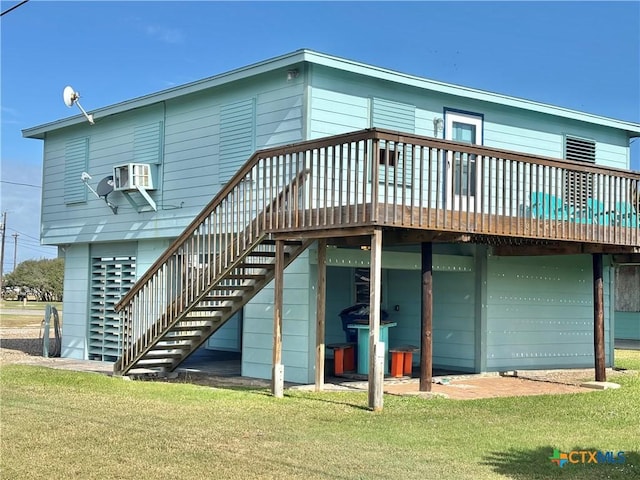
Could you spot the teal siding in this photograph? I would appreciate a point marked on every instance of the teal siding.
(393, 115)
(75, 309)
(540, 312)
(192, 167)
(453, 321)
(332, 113)
(228, 337)
(237, 136)
(505, 126)
(453, 316)
(340, 295)
(257, 346)
(627, 325)
(76, 156)
(148, 143)
(454, 301)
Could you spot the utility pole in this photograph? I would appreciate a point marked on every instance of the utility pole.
(15, 249)
(4, 229)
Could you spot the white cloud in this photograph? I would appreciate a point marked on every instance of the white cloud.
(164, 34)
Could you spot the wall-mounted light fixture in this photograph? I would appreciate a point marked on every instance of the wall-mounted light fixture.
(438, 126)
(291, 74)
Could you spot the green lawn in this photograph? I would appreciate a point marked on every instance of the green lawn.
(59, 424)
(17, 315)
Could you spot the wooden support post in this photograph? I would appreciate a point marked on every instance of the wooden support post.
(320, 312)
(376, 349)
(598, 318)
(277, 375)
(426, 336)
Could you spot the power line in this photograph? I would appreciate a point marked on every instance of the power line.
(13, 8)
(24, 234)
(23, 184)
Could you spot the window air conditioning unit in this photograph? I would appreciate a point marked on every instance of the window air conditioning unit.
(133, 176)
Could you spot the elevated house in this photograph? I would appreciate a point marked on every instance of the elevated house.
(245, 211)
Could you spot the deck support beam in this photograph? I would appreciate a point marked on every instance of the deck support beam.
(376, 348)
(321, 295)
(598, 318)
(277, 374)
(426, 334)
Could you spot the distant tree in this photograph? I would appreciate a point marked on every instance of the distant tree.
(42, 278)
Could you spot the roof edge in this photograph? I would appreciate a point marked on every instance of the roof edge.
(352, 66)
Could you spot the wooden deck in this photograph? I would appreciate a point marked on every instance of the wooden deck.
(429, 224)
(374, 183)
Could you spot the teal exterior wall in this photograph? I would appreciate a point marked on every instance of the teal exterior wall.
(627, 325)
(490, 313)
(341, 102)
(184, 142)
(540, 313)
(297, 327)
(454, 300)
(74, 308)
(627, 302)
(518, 313)
(191, 166)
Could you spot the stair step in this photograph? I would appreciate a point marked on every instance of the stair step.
(263, 266)
(154, 355)
(211, 308)
(232, 288)
(222, 298)
(180, 337)
(164, 346)
(154, 362)
(163, 366)
(268, 241)
(188, 328)
(246, 276)
(255, 253)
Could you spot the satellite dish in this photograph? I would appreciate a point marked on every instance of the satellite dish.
(105, 187)
(70, 96)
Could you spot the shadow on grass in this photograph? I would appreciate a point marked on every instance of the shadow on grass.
(537, 464)
(322, 397)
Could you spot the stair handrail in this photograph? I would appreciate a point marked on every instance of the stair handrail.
(227, 189)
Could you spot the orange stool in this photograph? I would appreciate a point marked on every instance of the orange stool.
(344, 357)
(402, 360)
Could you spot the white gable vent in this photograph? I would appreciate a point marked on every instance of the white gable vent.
(133, 176)
(580, 149)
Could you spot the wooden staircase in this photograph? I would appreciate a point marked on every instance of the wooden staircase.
(221, 261)
(166, 350)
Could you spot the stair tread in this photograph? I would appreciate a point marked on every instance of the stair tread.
(165, 352)
(232, 287)
(222, 298)
(255, 265)
(246, 276)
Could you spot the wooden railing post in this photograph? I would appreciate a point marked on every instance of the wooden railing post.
(598, 318)
(320, 312)
(426, 336)
(277, 377)
(376, 348)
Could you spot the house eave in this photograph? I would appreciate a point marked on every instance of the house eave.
(358, 68)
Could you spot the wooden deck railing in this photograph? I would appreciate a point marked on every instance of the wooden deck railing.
(380, 177)
(394, 179)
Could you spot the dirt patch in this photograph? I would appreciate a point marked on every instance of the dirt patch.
(18, 345)
(486, 387)
(23, 345)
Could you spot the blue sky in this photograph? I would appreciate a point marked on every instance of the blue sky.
(579, 55)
